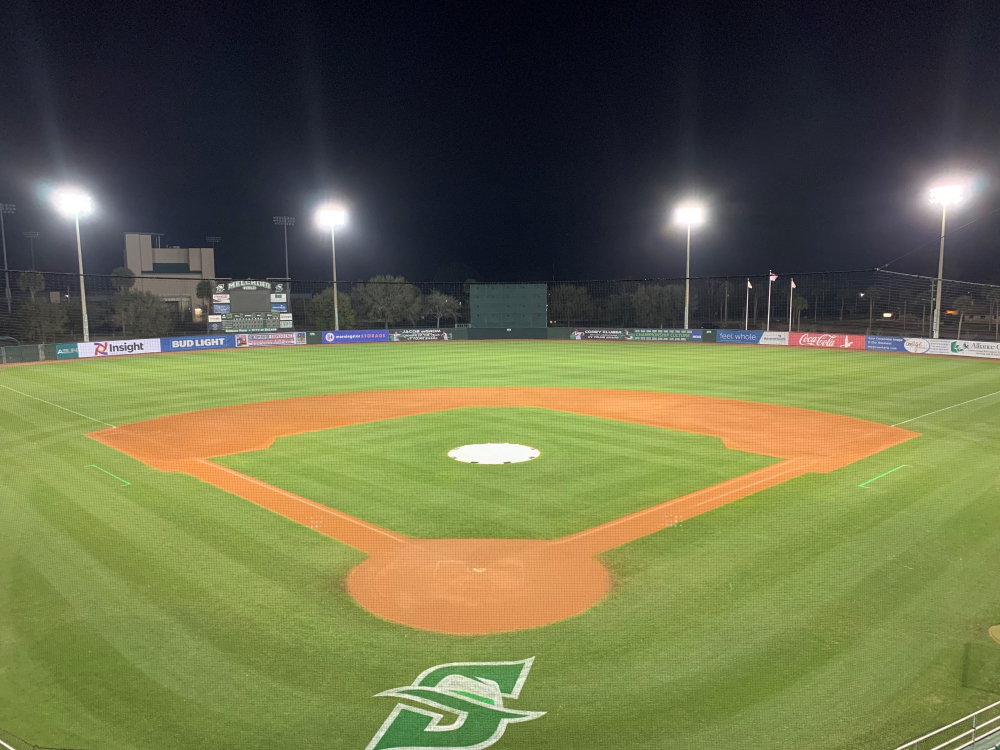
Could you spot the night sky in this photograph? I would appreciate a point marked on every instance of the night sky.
(523, 141)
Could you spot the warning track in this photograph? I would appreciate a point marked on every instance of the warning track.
(473, 586)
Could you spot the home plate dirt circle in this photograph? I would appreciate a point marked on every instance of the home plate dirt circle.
(476, 586)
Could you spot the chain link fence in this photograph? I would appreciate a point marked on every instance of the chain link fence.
(44, 308)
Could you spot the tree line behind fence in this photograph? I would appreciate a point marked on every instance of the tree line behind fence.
(45, 307)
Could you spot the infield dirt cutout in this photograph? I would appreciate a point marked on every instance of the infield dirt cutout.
(478, 586)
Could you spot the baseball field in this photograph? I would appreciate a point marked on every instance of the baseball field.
(716, 546)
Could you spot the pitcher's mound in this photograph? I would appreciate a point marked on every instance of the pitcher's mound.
(494, 453)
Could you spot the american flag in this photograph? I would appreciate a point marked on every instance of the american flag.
(774, 276)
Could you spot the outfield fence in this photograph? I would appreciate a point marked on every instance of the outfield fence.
(44, 308)
(979, 726)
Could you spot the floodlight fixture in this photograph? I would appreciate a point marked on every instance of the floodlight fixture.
(944, 194)
(31, 237)
(947, 195)
(331, 215)
(72, 202)
(5, 208)
(284, 222)
(689, 214)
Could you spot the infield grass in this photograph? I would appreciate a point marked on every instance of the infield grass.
(397, 474)
(168, 614)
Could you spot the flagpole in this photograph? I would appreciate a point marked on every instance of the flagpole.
(769, 282)
(791, 294)
(746, 324)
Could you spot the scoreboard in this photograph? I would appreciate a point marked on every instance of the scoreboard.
(250, 307)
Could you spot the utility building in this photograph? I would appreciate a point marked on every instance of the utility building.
(172, 273)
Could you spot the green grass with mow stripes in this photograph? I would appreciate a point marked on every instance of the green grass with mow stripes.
(169, 614)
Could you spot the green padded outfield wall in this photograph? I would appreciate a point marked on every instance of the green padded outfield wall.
(509, 305)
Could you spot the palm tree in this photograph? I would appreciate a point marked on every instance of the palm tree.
(963, 305)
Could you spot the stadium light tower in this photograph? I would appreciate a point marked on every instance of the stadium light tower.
(690, 215)
(31, 237)
(946, 194)
(331, 216)
(5, 208)
(74, 203)
(284, 222)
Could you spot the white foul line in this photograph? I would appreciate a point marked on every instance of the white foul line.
(28, 395)
(6, 745)
(946, 408)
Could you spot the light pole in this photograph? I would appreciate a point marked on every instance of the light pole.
(689, 215)
(5, 208)
(73, 203)
(333, 215)
(32, 236)
(284, 222)
(946, 195)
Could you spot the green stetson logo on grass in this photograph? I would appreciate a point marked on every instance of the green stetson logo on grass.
(472, 692)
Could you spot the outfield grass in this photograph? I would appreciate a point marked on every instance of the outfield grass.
(169, 614)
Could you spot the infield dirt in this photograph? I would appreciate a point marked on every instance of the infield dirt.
(478, 586)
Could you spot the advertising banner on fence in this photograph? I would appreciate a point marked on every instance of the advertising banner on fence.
(67, 351)
(885, 343)
(827, 340)
(193, 343)
(774, 338)
(927, 346)
(738, 337)
(354, 337)
(607, 334)
(118, 348)
(989, 349)
(420, 334)
(664, 334)
(270, 339)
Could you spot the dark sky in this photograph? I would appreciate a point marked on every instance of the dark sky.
(513, 139)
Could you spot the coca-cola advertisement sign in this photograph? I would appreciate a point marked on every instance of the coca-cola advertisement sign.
(827, 340)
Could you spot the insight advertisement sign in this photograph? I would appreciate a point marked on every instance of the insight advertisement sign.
(193, 343)
(354, 337)
(118, 348)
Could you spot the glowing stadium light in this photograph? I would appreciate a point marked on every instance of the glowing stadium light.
(947, 195)
(72, 202)
(944, 194)
(331, 216)
(689, 214)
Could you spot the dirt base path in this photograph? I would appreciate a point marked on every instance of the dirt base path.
(476, 586)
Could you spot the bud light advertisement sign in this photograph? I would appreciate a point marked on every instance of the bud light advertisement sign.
(195, 343)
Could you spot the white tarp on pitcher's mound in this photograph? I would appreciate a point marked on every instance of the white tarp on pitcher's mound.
(494, 453)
